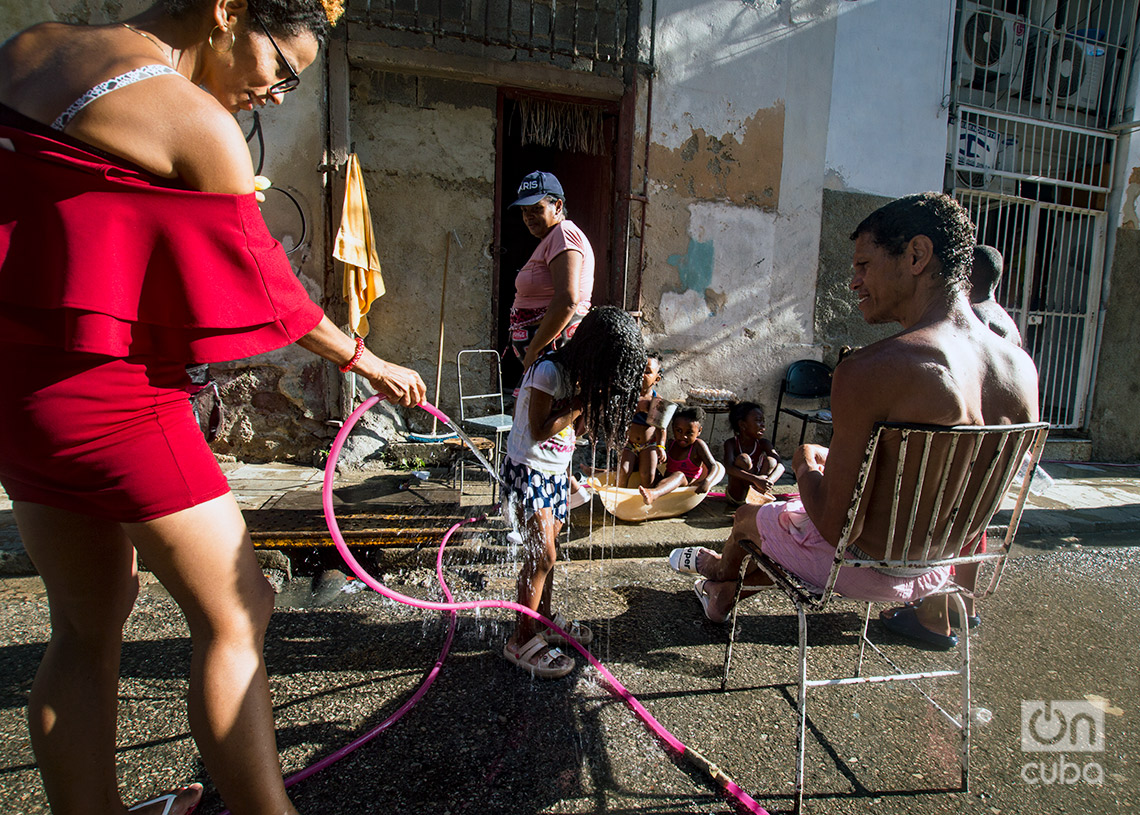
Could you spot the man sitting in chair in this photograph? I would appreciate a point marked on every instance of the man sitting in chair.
(912, 259)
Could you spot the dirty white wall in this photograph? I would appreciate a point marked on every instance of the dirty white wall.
(427, 147)
(758, 108)
(738, 141)
(275, 404)
(886, 138)
(887, 130)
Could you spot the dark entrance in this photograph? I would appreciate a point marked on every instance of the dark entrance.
(587, 177)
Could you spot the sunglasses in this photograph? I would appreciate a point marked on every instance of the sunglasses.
(290, 82)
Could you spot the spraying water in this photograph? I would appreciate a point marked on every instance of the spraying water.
(743, 801)
(441, 416)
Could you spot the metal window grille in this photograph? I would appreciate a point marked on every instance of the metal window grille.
(1056, 61)
(1035, 87)
(1051, 287)
(586, 32)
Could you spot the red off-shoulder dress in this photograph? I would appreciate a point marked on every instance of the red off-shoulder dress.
(111, 281)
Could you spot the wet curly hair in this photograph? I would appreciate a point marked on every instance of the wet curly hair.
(605, 359)
(283, 17)
(933, 214)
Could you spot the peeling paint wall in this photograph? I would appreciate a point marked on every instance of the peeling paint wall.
(737, 147)
(1114, 426)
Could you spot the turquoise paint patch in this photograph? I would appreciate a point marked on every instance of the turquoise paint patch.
(695, 267)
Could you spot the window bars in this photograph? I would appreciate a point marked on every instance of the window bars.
(604, 32)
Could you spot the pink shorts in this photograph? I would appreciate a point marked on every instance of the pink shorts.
(800, 549)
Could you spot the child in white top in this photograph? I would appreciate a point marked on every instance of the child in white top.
(589, 385)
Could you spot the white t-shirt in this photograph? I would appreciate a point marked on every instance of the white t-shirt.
(550, 456)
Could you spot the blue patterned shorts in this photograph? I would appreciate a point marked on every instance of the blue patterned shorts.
(532, 490)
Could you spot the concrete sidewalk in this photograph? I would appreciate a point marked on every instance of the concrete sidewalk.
(1084, 499)
(396, 510)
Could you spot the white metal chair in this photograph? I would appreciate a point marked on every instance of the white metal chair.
(973, 469)
(483, 410)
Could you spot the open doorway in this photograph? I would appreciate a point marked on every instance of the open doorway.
(577, 143)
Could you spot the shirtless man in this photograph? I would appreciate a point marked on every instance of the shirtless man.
(983, 284)
(911, 262)
(933, 615)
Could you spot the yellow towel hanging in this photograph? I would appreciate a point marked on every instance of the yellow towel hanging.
(356, 246)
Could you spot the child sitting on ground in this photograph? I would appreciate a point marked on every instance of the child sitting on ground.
(643, 449)
(588, 385)
(681, 470)
(750, 460)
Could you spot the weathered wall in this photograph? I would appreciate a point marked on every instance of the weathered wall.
(1114, 423)
(838, 321)
(738, 139)
(886, 138)
(1113, 419)
(427, 147)
(887, 131)
(274, 404)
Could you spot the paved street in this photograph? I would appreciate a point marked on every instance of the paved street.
(486, 739)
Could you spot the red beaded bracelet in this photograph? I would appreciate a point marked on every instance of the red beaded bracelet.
(348, 366)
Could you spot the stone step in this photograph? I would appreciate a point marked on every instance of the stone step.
(1065, 448)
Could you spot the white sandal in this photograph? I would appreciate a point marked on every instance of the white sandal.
(542, 666)
(684, 560)
(168, 799)
(578, 632)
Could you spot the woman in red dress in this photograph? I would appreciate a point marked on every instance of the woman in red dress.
(130, 246)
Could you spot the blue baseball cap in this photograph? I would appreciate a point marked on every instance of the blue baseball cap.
(537, 186)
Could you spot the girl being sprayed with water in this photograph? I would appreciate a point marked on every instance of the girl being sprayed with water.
(588, 386)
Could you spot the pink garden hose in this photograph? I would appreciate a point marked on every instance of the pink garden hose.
(743, 800)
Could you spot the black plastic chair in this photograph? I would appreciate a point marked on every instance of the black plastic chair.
(805, 379)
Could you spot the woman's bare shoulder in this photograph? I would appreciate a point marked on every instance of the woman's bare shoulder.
(208, 147)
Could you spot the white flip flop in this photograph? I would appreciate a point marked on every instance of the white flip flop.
(703, 596)
(684, 560)
(168, 799)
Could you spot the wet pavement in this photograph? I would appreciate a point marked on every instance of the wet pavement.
(487, 739)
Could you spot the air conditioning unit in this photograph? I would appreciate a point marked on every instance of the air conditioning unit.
(1071, 69)
(991, 48)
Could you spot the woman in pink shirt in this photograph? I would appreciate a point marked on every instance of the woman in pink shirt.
(553, 288)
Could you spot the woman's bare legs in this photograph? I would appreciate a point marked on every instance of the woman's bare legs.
(203, 556)
(88, 567)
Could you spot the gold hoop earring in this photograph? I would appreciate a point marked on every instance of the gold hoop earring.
(214, 45)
